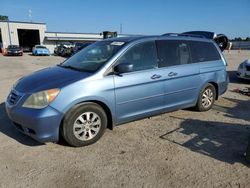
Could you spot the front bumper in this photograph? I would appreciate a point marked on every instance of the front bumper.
(41, 53)
(42, 125)
(14, 53)
(243, 74)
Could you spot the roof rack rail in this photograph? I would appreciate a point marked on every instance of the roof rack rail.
(183, 35)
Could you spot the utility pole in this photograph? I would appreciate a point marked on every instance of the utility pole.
(30, 15)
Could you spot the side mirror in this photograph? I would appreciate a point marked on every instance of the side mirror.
(123, 68)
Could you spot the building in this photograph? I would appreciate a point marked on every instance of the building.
(29, 34)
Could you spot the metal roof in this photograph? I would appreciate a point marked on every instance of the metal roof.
(71, 38)
(23, 22)
(61, 32)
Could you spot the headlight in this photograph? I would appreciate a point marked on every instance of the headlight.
(41, 99)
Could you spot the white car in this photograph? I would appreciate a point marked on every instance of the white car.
(244, 70)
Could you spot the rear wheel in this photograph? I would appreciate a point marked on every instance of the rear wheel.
(84, 124)
(206, 98)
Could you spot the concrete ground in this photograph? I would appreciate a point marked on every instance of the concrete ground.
(179, 149)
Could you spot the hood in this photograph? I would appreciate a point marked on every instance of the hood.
(14, 49)
(49, 78)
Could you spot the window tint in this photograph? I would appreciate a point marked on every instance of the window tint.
(203, 51)
(142, 56)
(172, 52)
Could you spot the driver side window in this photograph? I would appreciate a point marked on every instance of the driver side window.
(142, 56)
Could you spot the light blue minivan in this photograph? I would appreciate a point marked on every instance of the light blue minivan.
(115, 81)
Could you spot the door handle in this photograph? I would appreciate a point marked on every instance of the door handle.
(172, 74)
(155, 76)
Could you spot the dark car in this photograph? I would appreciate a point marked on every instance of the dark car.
(80, 45)
(14, 50)
(26, 48)
(60, 48)
(67, 51)
(220, 39)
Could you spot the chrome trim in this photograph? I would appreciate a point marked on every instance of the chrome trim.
(19, 95)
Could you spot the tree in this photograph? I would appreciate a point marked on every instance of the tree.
(237, 39)
(4, 18)
(248, 39)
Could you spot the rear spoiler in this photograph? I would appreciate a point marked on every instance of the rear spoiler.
(220, 39)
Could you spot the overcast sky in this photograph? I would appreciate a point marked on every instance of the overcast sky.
(150, 17)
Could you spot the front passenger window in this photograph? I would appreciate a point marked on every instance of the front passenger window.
(142, 56)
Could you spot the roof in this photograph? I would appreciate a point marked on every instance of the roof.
(128, 39)
(22, 22)
(72, 33)
(71, 38)
(134, 38)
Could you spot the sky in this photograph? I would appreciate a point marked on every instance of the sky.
(147, 17)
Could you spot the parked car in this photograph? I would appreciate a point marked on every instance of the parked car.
(66, 52)
(40, 50)
(115, 81)
(14, 50)
(244, 70)
(80, 45)
(61, 47)
(26, 49)
(1, 47)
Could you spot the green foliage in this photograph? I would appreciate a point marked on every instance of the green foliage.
(4, 18)
(240, 39)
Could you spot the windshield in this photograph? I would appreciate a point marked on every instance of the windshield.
(13, 46)
(91, 58)
(40, 46)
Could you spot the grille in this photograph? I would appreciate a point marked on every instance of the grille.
(248, 68)
(13, 98)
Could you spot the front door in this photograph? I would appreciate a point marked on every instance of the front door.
(139, 93)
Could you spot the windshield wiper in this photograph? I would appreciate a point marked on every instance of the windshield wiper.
(68, 67)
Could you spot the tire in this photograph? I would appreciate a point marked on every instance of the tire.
(248, 151)
(84, 124)
(206, 98)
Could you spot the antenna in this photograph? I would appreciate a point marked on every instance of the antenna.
(30, 15)
(121, 28)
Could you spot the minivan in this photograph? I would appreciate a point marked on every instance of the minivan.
(115, 81)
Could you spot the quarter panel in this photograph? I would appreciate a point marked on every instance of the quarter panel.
(214, 71)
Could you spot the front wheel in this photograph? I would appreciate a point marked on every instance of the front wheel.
(84, 124)
(206, 98)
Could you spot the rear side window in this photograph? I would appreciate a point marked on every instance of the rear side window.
(203, 51)
(173, 52)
